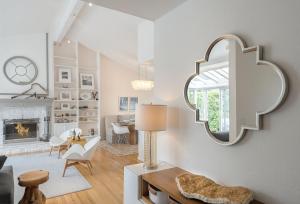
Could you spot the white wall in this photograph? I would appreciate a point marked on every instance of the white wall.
(145, 41)
(266, 161)
(32, 46)
(115, 82)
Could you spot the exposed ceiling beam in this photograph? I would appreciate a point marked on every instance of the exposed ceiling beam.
(68, 19)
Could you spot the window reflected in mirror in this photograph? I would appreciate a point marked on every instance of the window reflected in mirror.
(212, 100)
(209, 91)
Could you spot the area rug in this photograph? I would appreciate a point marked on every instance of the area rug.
(119, 149)
(56, 185)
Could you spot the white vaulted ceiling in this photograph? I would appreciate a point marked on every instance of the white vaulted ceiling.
(18, 17)
(148, 9)
(110, 28)
(111, 32)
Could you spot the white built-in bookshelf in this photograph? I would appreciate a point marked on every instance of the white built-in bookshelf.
(76, 79)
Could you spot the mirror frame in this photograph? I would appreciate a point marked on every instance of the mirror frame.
(259, 61)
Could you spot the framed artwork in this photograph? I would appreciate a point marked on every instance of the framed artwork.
(64, 106)
(64, 75)
(87, 81)
(123, 104)
(133, 101)
(65, 95)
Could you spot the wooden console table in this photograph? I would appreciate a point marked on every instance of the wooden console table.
(164, 181)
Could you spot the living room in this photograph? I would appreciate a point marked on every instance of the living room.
(138, 101)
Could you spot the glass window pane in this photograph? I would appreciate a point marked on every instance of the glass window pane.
(201, 104)
(214, 109)
(224, 110)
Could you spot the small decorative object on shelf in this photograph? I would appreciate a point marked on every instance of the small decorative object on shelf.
(94, 95)
(83, 107)
(65, 106)
(92, 131)
(74, 134)
(206, 190)
(65, 95)
(85, 96)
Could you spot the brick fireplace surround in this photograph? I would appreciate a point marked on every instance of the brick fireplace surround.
(26, 109)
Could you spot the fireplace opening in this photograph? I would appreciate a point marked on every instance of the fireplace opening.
(18, 130)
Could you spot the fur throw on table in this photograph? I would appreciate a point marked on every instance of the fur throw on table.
(206, 190)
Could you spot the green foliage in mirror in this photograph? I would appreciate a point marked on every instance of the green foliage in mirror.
(214, 110)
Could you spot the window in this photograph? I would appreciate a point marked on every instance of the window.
(213, 105)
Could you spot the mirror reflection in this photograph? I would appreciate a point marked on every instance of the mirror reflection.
(231, 89)
(209, 91)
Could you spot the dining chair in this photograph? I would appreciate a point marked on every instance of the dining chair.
(122, 133)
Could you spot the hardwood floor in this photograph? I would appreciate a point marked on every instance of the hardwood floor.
(107, 181)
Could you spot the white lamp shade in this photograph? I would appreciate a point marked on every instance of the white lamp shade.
(149, 117)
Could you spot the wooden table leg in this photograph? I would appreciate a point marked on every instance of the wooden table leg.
(132, 135)
(33, 195)
(27, 196)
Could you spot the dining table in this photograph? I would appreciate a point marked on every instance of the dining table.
(132, 131)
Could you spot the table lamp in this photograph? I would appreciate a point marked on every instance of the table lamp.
(150, 118)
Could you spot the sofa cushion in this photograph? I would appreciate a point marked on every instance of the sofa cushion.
(2, 160)
(6, 185)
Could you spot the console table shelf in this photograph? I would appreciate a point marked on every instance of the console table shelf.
(164, 181)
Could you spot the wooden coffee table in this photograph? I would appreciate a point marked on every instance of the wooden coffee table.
(82, 141)
(31, 181)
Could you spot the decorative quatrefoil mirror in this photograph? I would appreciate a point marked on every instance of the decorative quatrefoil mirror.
(20, 70)
(232, 87)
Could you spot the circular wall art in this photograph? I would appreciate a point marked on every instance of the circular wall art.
(20, 70)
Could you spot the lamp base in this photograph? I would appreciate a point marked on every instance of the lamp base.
(150, 149)
(150, 167)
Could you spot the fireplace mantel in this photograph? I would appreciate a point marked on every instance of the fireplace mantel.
(25, 102)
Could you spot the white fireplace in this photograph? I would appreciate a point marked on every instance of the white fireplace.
(22, 115)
